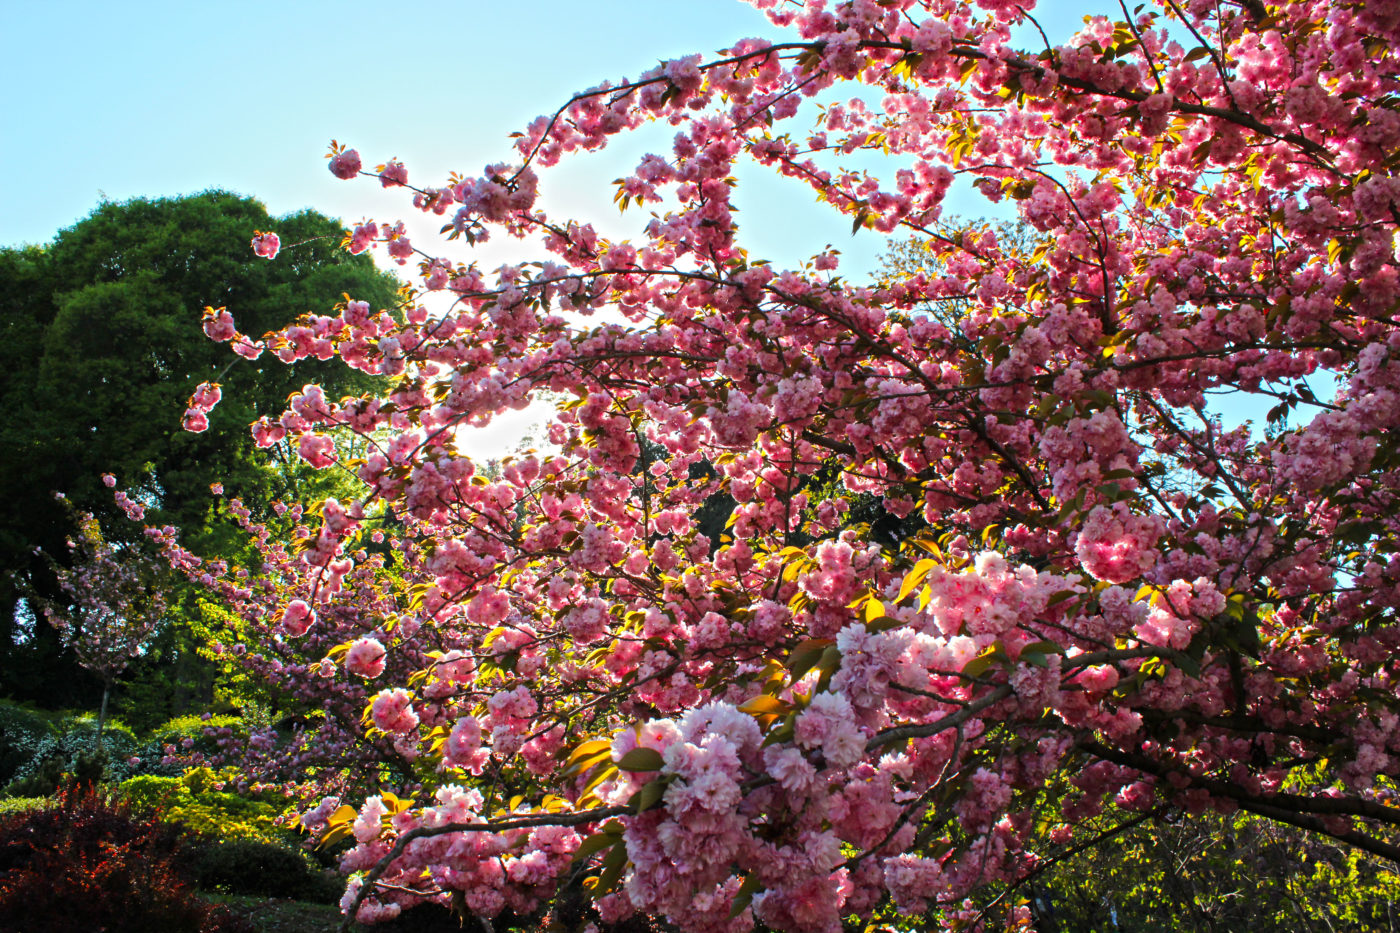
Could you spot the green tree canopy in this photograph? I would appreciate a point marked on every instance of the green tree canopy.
(103, 346)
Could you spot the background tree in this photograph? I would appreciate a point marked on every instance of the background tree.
(1212, 872)
(907, 259)
(102, 347)
(113, 603)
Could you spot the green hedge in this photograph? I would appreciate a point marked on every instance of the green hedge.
(268, 869)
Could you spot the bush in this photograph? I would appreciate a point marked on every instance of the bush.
(12, 805)
(193, 728)
(40, 781)
(247, 866)
(193, 801)
(86, 863)
(86, 722)
(21, 730)
(77, 752)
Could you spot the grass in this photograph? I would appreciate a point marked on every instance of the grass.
(271, 915)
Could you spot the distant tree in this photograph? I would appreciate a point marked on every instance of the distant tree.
(1166, 871)
(102, 348)
(115, 602)
(920, 255)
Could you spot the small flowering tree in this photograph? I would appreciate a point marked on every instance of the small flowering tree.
(115, 604)
(1099, 603)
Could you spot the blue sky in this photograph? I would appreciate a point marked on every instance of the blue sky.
(167, 98)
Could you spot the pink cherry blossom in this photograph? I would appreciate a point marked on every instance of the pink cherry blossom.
(345, 164)
(365, 658)
(392, 711)
(297, 618)
(266, 245)
(195, 421)
(822, 593)
(393, 174)
(218, 324)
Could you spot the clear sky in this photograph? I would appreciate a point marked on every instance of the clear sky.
(159, 98)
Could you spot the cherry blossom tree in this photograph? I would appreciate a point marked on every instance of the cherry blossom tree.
(114, 605)
(1090, 595)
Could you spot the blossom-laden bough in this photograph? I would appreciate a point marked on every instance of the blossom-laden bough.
(1081, 593)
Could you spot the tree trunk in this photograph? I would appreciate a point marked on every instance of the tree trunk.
(102, 713)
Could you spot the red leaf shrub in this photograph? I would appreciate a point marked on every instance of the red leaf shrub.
(88, 864)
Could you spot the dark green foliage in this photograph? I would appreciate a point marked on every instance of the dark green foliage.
(41, 781)
(102, 346)
(20, 731)
(1207, 872)
(248, 866)
(86, 864)
(71, 752)
(169, 676)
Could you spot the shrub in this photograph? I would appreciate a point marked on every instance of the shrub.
(76, 750)
(248, 866)
(41, 779)
(20, 731)
(194, 728)
(12, 805)
(87, 863)
(86, 722)
(193, 800)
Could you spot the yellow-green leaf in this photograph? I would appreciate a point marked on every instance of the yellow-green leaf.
(914, 578)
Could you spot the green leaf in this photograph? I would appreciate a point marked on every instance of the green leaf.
(805, 655)
(744, 896)
(882, 624)
(612, 872)
(1188, 665)
(1036, 653)
(641, 759)
(595, 844)
(651, 792)
(979, 665)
